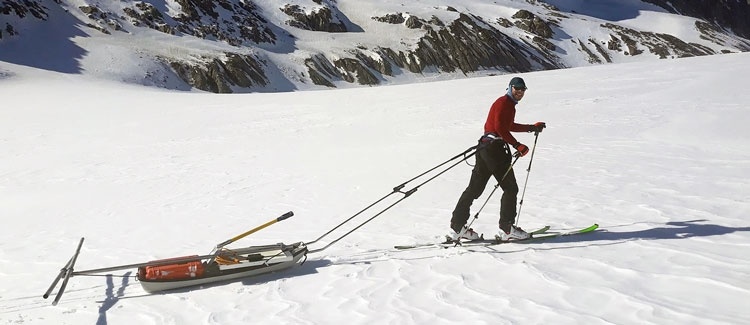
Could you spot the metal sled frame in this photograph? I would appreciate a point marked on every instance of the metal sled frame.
(249, 261)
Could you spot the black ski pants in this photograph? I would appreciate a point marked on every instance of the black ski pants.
(492, 159)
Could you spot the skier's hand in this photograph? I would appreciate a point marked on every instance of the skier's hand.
(522, 150)
(538, 127)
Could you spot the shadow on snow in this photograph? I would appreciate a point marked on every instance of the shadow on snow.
(112, 297)
(612, 10)
(670, 230)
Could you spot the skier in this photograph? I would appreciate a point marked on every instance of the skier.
(493, 158)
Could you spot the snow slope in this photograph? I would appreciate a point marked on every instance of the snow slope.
(657, 153)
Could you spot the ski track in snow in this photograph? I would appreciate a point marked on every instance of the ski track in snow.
(647, 152)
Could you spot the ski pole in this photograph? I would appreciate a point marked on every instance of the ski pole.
(528, 171)
(240, 236)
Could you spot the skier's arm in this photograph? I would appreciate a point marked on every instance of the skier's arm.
(506, 125)
(515, 127)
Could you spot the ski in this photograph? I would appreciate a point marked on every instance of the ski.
(537, 238)
(453, 243)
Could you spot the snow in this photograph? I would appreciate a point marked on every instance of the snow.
(655, 152)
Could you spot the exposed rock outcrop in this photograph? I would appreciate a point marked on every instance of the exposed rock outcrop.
(734, 14)
(355, 71)
(397, 18)
(663, 45)
(413, 22)
(600, 49)
(23, 8)
(219, 75)
(244, 27)
(320, 19)
(100, 20)
(20, 9)
(409, 21)
(592, 58)
(321, 71)
(147, 15)
(533, 24)
(467, 44)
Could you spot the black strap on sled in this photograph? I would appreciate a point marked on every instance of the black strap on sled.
(468, 153)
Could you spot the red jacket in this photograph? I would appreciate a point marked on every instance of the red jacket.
(500, 120)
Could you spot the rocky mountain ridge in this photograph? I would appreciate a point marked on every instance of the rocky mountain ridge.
(245, 46)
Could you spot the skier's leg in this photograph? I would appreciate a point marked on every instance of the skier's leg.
(479, 177)
(508, 200)
(505, 176)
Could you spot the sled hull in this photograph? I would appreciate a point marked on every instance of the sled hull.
(292, 254)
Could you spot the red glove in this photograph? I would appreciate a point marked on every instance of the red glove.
(522, 150)
(538, 127)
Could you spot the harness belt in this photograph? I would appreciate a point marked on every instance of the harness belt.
(489, 137)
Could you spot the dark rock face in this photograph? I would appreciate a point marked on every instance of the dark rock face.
(321, 70)
(23, 8)
(395, 19)
(219, 76)
(20, 9)
(532, 24)
(504, 22)
(591, 56)
(734, 14)
(321, 19)
(600, 49)
(239, 25)
(714, 34)
(101, 20)
(145, 14)
(663, 45)
(467, 46)
(199, 18)
(412, 22)
(362, 69)
(355, 68)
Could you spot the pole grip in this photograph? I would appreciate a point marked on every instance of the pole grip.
(285, 216)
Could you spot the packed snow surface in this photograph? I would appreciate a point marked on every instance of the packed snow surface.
(657, 153)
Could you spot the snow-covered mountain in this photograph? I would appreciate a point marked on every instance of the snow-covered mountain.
(249, 46)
